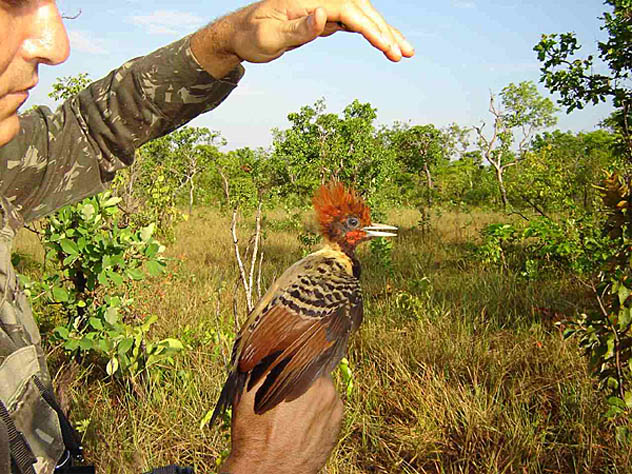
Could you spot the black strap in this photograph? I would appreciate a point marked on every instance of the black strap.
(172, 469)
(68, 433)
(76, 470)
(21, 455)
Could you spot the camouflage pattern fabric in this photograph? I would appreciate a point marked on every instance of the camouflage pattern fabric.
(62, 157)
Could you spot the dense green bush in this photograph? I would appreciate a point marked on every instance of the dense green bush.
(91, 263)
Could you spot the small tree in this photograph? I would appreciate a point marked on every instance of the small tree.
(247, 178)
(420, 148)
(523, 111)
(577, 81)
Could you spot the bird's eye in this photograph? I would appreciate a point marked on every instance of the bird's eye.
(352, 222)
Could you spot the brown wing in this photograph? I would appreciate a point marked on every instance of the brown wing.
(300, 337)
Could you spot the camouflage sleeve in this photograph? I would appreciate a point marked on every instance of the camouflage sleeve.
(61, 157)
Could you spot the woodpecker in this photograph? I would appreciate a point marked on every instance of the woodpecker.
(298, 331)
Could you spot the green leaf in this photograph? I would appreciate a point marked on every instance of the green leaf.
(112, 366)
(116, 278)
(71, 345)
(60, 294)
(85, 344)
(624, 319)
(87, 211)
(616, 402)
(69, 246)
(69, 260)
(96, 323)
(206, 418)
(62, 332)
(135, 273)
(113, 201)
(627, 398)
(623, 293)
(147, 232)
(111, 315)
(155, 268)
(173, 344)
(610, 346)
(612, 384)
(148, 322)
(125, 345)
(103, 278)
(152, 250)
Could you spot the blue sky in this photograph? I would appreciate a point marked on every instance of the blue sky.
(464, 49)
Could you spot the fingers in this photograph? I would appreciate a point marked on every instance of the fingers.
(305, 29)
(405, 47)
(360, 17)
(355, 20)
(394, 52)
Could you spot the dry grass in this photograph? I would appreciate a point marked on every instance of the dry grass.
(459, 376)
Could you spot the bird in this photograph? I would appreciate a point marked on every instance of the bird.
(299, 330)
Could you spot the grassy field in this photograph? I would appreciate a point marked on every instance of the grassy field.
(458, 368)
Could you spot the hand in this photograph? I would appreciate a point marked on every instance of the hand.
(263, 31)
(292, 438)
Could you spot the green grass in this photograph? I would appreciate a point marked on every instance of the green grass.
(458, 368)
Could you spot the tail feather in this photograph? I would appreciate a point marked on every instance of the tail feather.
(231, 392)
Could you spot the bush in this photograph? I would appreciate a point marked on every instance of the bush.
(91, 264)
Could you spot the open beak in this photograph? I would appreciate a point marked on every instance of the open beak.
(380, 230)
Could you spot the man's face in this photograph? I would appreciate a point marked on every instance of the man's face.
(31, 32)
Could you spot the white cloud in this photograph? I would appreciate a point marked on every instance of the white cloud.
(464, 4)
(84, 42)
(167, 22)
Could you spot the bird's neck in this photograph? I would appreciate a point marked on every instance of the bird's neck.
(342, 247)
(347, 250)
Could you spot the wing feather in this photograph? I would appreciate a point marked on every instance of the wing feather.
(297, 333)
(289, 348)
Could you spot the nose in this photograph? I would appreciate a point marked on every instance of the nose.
(47, 41)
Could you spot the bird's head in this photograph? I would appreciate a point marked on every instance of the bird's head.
(344, 218)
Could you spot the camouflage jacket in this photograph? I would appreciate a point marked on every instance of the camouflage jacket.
(59, 158)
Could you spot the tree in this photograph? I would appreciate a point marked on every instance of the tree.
(561, 170)
(419, 148)
(523, 111)
(164, 168)
(192, 151)
(66, 87)
(320, 146)
(577, 81)
(605, 334)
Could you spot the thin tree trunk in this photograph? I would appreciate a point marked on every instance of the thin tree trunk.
(501, 187)
(191, 197)
(429, 183)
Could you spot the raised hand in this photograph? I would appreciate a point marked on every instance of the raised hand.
(263, 31)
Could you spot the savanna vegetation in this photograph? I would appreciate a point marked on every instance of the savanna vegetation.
(497, 324)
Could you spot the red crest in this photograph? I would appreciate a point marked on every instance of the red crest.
(332, 202)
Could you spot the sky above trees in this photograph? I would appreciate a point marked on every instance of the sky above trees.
(465, 48)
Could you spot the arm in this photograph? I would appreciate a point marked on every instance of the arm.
(59, 158)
